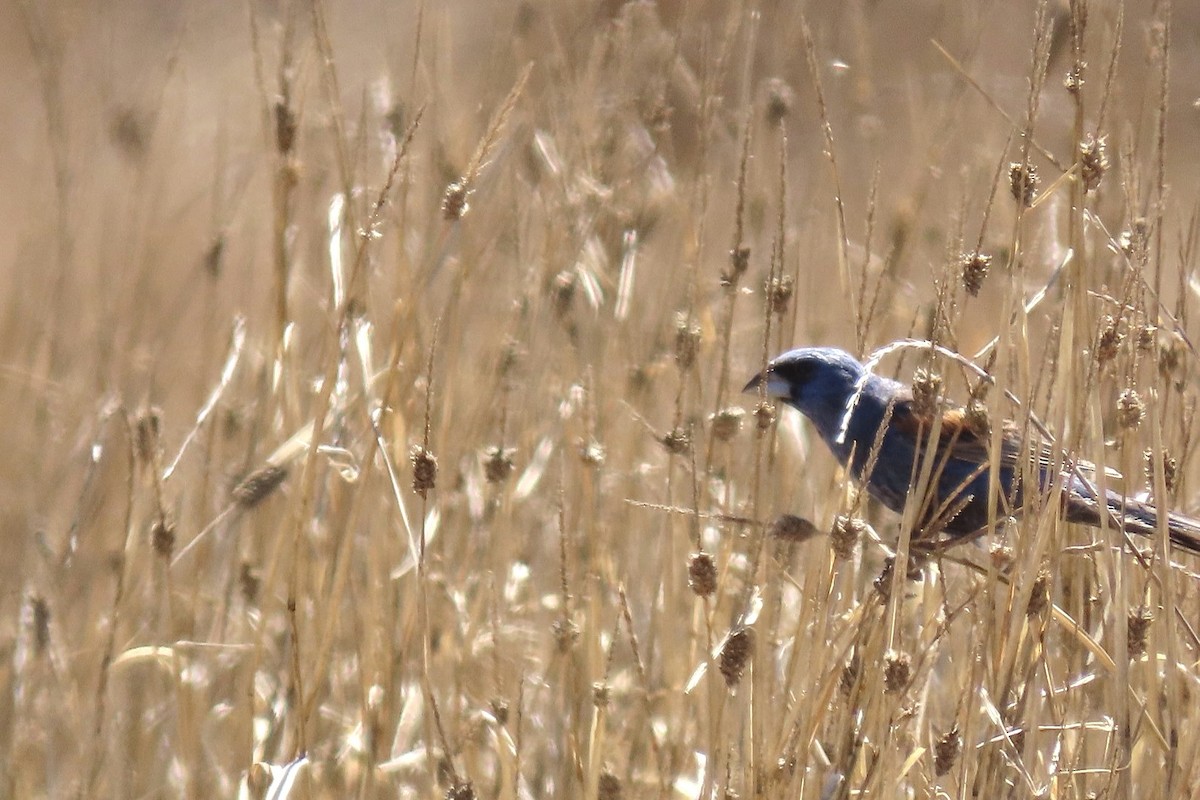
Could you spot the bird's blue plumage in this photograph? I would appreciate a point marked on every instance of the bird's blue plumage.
(848, 405)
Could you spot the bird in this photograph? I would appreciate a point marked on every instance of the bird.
(849, 404)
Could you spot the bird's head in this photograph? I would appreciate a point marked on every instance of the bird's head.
(818, 381)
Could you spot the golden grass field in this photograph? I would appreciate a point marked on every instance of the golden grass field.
(372, 419)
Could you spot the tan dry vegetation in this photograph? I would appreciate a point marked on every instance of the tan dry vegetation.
(372, 426)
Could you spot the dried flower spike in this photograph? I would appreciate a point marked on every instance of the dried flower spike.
(1039, 596)
(1170, 469)
(739, 262)
(946, 751)
(780, 99)
(779, 293)
(927, 392)
(975, 266)
(687, 342)
(424, 467)
(1109, 341)
(566, 634)
(1023, 182)
(735, 653)
(1073, 81)
(846, 533)
(41, 622)
(461, 790)
(1130, 409)
(147, 431)
(849, 676)
(592, 453)
(162, 536)
(609, 787)
(454, 201)
(791, 528)
(258, 485)
(678, 441)
(727, 422)
(1140, 620)
(1093, 161)
(977, 418)
(897, 671)
(498, 463)
(702, 574)
(562, 291)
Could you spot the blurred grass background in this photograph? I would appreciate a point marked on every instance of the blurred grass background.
(265, 259)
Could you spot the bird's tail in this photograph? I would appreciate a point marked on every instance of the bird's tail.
(1135, 517)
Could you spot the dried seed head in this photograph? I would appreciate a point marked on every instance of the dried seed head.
(849, 675)
(1023, 182)
(591, 453)
(498, 463)
(780, 99)
(510, 356)
(739, 262)
(977, 418)
(678, 441)
(1135, 242)
(1001, 555)
(735, 653)
(702, 574)
(162, 536)
(566, 634)
(1170, 469)
(1108, 343)
(791, 528)
(1039, 596)
(1140, 620)
(499, 708)
(1093, 161)
(727, 422)
(130, 131)
(946, 751)
(285, 127)
(41, 622)
(1073, 82)
(975, 267)
(609, 786)
(250, 581)
(424, 468)
(897, 671)
(1130, 409)
(601, 694)
(884, 581)
(147, 432)
(1147, 337)
(1171, 358)
(687, 342)
(779, 293)
(562, 291)
(764, 415)
(454, 201)
(785, 768)
(214, 256)
(461, 790)
(926, 391)
(259, 485)
(846, 533)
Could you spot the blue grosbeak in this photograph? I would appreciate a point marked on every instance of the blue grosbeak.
(821, 382)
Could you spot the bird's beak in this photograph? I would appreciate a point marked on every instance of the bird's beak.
(776, 386)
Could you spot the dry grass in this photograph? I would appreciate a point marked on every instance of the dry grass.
(371, 378)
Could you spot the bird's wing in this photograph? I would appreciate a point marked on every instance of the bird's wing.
(964, 443)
